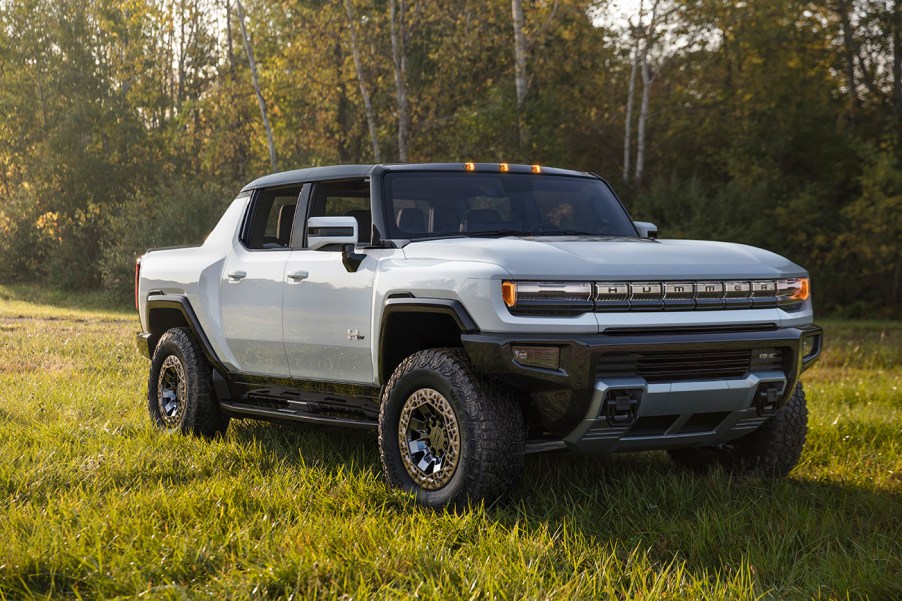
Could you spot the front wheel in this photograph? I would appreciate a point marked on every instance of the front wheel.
(448, 435)
(180, 394)
(773, 449)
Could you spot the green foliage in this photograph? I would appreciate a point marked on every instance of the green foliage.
(174, 213)
(97, 504)
(755, 133)
(873, 240)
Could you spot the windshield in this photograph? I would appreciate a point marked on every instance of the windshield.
(436, 204)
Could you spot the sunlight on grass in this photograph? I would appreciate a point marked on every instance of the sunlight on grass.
(97, 504)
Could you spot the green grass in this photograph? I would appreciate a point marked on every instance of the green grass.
(97, 504)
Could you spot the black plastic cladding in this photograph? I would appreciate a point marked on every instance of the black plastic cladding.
(567, 392)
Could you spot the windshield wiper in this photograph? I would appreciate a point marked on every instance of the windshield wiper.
(565, 233)
(488, 233)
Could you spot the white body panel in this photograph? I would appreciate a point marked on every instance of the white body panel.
(270, 324)
(195, 273)
(328, 317)
(557, 258)
(251, 309)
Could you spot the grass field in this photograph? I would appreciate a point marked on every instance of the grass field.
(97, 504)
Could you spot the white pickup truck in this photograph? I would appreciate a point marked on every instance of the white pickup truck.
(474, 313)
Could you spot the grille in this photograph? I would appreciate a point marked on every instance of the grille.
(688, 365)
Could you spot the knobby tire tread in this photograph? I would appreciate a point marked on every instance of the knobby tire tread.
(773, 449)
(498, 431)
(202, 415)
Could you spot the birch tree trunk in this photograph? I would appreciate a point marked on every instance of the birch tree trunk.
(399, 60)
(628, 124)
(643, 45)
(647, 80)
(256, 81)
(520, 68)
(364, 91)
(849, 53)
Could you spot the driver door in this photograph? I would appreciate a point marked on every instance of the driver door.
(328, 311)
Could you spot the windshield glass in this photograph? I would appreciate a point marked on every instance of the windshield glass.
(434, 204)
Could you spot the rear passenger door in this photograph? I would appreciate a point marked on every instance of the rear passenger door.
(327, 316)
(251, 284)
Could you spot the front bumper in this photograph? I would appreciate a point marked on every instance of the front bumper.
(602, 413)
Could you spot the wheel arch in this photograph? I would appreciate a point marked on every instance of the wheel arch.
(165, 312)
(412, 324)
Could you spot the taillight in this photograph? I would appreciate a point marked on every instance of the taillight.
(137, 276)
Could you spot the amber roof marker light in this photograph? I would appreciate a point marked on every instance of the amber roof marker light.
(470, 166)
(537, 169)
(504, 167)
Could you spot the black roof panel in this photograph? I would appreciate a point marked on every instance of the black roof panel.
(296, 176)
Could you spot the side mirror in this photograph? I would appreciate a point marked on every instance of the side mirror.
(646, 229)
(323, 231)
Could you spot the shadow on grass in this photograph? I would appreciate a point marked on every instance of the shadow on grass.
(796, 537)
(298, 445)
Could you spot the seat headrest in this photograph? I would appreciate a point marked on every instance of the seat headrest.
(411, 220)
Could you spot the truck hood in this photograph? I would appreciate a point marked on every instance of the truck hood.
(559, 257)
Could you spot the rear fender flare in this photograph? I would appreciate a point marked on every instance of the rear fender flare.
(182, 305)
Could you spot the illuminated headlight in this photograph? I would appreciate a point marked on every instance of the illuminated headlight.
(576, 298)
(548, 298)
(793, 292)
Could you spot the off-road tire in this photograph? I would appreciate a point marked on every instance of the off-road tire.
(772, 450)
(490, 422)
(199, 412)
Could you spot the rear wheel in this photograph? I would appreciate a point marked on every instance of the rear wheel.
(448, 435)
(773, 449)
(180, 394)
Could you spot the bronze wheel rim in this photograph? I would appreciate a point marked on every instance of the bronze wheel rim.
(429, 439)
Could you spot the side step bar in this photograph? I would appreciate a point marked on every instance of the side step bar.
(294, 411)
(544, 446)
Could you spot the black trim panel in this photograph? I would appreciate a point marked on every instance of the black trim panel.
(310, 401)
(182, 304)
(405, 302)
(290, 413)
(562, 395)
(411, 304)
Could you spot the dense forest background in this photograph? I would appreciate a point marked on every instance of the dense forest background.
(126, 124)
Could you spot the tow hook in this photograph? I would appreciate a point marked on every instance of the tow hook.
(767, 398)
(621, 406)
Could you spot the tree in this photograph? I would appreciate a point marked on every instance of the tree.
(399, 39)
(645, 36)
(520, 67)
(364, 89)
(254, 78)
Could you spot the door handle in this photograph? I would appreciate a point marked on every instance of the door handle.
(237, 276)
(297, 276)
